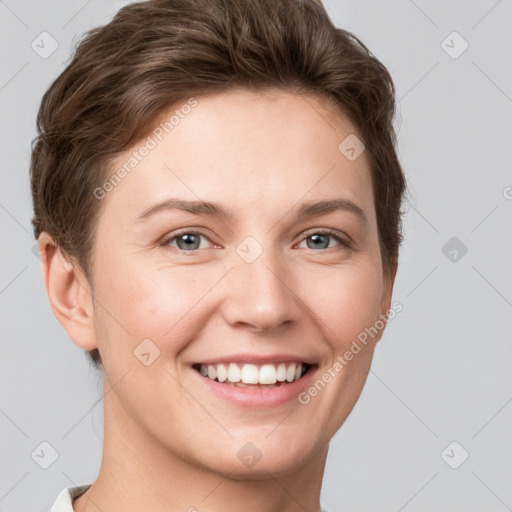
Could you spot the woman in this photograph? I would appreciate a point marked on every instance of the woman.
(217, 205)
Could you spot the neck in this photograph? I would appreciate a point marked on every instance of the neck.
(138, 473)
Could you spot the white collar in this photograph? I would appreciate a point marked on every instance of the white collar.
(64, 501)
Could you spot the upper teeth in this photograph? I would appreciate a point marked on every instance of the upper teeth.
(251, 373)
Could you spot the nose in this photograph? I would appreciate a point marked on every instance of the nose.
(260, 295)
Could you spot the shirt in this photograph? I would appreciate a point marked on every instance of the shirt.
(64, 502)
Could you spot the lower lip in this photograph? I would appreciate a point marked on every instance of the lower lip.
(258, 397)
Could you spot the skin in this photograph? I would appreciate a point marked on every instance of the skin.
(169, 443)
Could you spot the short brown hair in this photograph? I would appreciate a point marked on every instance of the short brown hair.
(154, 54)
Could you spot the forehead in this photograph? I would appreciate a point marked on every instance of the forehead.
(244, 149)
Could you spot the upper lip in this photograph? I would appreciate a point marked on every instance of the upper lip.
(257, 359)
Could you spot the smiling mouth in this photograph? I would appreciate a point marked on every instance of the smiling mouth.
(252, 375)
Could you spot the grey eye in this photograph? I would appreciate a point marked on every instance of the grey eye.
(321, 240)
(187, 241)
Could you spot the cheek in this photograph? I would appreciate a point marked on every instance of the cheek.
(155, 303)
(347, 301)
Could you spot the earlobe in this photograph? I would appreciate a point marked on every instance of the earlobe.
(68, 292)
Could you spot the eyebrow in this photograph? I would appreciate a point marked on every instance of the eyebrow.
(307, 210)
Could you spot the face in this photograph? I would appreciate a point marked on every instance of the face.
(262, 263)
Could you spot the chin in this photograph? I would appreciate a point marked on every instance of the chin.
(258, 460)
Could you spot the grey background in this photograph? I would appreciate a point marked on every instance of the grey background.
(442, 371)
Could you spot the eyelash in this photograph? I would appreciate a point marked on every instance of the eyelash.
(165, 242)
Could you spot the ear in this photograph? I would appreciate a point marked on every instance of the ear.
(387, 293)
(69, 293)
